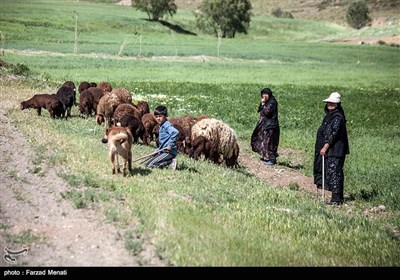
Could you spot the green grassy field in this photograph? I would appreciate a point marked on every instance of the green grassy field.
(204, 214)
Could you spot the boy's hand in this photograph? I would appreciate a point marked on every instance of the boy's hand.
(168, 148)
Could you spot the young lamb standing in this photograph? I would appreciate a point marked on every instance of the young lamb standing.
(119, 141)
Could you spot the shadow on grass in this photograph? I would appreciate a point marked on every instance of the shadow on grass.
(140, 171)
(297, 166)
(175, 27)
(184, 167)
(244, 171)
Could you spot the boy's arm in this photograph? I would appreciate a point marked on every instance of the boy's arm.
(174, 133)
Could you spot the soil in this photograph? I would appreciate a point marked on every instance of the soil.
(388, 40)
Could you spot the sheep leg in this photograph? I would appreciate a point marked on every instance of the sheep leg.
(124, 167)
(112, 159)
(199, 150)
(130, 161)
(118, 169)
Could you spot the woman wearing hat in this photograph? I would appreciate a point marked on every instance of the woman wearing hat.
(332, 143)
(265, 137)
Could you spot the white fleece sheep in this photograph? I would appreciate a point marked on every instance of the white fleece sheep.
(223, 137)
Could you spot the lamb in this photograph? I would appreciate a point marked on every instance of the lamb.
(66, 95)
(124, 95)
(149, 122)
(143, 107)
(186, 123)
(97, 93)
(106, 107)
(129, 116)
(38, 101)
(86, 103)
(119, 141)
(126, 108)
(71, 85)
(83, 86)
(180, 142)
(183, 142)
(55, 107)
(134, 124)
(109, 102)
(105, 87)
(48, 101)
(223, 137)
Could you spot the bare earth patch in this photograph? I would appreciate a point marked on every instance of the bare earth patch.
(281, 174)
(389, 40)
(125, 2)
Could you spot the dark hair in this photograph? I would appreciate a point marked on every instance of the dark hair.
(266, 91)
(161, 110)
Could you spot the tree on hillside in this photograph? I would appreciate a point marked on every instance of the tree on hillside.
(224, 17)
(357, 14)
(155, 9)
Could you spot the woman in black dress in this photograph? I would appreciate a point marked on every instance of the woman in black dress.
(265, 137)
(332, 143)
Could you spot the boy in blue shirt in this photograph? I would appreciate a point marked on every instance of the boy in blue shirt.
(167, 137)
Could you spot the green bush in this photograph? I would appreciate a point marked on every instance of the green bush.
(155, 9)
(277, 12)
(225, 17)
(357, 14)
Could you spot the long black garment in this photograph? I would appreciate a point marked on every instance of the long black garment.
(265, 137)
(333, 131)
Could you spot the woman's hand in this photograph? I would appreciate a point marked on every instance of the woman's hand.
(324, 150)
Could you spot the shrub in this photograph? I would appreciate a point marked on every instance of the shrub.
(155, 9)
(277, 12)
(357, 14)
(224, 17)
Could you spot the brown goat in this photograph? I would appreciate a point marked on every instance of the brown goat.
(119, 141)
(48, 101)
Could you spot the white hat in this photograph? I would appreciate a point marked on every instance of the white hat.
(333, 98)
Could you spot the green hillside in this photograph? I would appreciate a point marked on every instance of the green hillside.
(204, 214)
